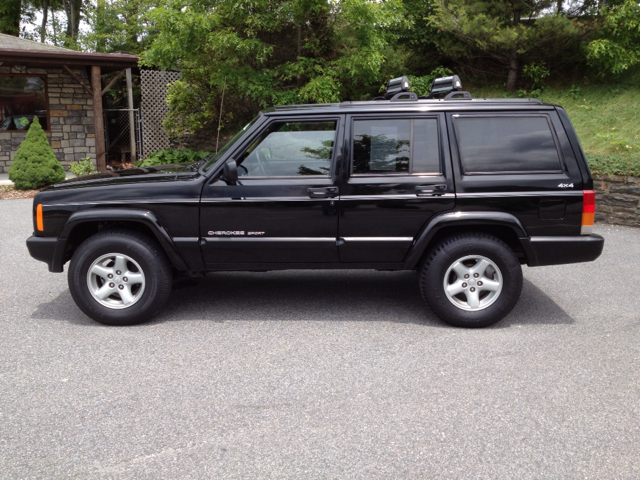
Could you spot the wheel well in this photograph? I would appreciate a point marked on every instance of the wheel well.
(85, 230)
(506, 234)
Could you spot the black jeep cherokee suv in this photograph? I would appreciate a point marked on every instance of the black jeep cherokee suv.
(462, 190)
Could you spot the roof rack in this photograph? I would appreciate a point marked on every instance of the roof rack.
(446, 88)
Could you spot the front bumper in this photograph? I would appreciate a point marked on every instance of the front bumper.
(560, 250)
(46, 249)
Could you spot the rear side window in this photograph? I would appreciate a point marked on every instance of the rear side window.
(396, 146)
(506, 144)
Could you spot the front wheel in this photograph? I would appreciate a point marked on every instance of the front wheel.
(119, 277)
(471, 280)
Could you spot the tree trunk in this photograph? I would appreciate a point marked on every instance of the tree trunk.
(512, 78)
(10, 12)
(101, 46)
(131, 20)
(299, 80)
(72, 9)
(45, 15)
(54, 25)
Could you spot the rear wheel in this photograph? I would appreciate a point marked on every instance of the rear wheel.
(119, 277)
(471, 280)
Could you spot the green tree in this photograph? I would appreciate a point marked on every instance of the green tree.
(618, 47)
(10, 13)
(505, 30)
(267, 52)
(34, 164)
(120, 25)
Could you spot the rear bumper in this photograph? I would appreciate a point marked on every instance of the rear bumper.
(45, 250)
(560, 250)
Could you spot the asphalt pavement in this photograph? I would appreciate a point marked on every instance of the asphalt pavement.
(321, 374)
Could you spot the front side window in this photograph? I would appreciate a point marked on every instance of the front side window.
(396, 146)
(506, 144)
(287, 149)
(22, 98)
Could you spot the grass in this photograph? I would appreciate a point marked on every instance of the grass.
(607, 120)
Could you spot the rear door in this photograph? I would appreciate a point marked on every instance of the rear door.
(397, 177)
(521, 163)
(283, 209)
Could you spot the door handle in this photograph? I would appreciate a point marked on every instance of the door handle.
(323, 192)
(431, 190)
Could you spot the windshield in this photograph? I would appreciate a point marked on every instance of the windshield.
(214, 158)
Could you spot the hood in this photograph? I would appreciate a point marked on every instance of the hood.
(155, 173)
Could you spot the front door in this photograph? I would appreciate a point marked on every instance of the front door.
(397, 176)
(283, 209)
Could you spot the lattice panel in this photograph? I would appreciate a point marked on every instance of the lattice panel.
(154, 108)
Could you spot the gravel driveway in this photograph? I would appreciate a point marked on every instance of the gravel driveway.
(309, 375)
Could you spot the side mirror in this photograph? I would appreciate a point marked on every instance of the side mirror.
(230, 172)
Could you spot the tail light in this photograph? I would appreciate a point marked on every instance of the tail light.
(39, 221)
(588, 211)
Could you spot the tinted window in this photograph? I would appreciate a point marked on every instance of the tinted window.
(506, 144)
(21, 99)
(396, 146)
(291, 149)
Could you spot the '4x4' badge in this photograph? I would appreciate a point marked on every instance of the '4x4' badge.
(565, 185)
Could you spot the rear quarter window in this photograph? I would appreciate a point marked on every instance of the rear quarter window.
(506, 144)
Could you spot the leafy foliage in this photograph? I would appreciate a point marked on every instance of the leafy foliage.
(120, 25)
(82, 167)
(422, 85)
(171, 156)
(34, 164)
(618, 47)
(268, 52)
(10, 17)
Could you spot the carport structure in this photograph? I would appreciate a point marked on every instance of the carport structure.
(63, 88)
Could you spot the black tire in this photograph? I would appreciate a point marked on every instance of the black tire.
(475, 250)
(141, 255)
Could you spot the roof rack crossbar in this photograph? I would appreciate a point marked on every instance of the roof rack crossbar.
(453, 95)
(398, 97)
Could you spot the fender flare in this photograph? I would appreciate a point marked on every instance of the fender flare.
(144, 217)
(464, 219)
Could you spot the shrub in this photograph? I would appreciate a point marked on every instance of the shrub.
(170, 155)
(614, 164)
(34, 164)
(82, 167)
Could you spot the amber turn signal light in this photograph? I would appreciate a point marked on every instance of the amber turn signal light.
(588, 211)
(39, 221)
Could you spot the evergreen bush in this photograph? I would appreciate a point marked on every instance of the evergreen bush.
(34, 164)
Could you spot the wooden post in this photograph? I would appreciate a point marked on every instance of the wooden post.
(132, 127)
(98, 122)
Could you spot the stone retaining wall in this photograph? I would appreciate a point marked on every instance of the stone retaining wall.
(618, 200)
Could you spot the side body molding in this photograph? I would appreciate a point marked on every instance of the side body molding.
(118, 214)
(464, 219)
